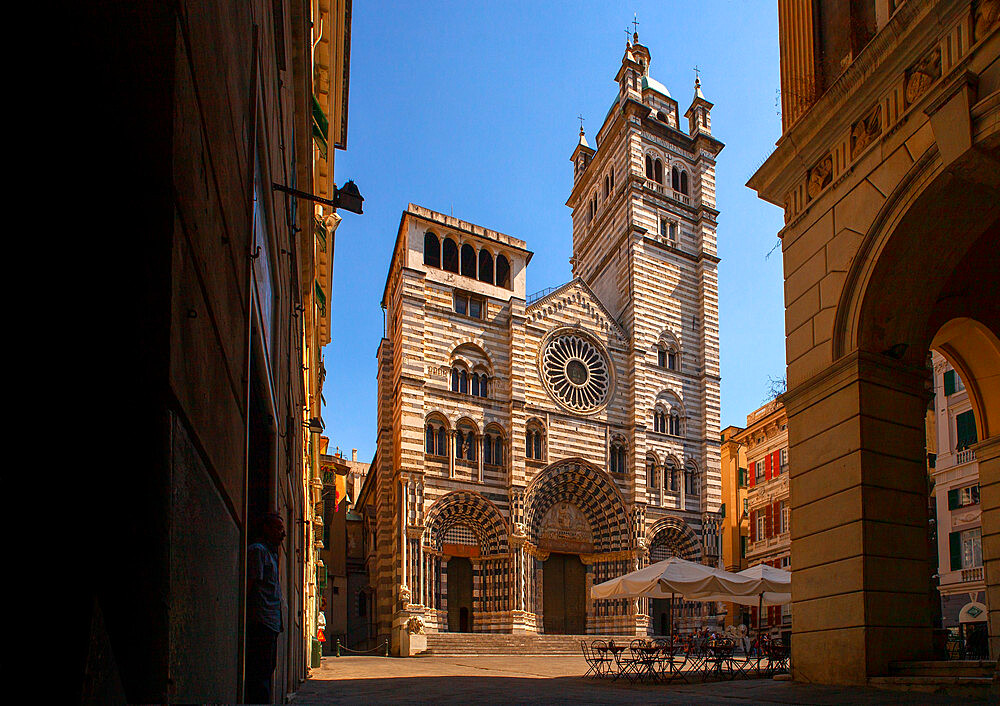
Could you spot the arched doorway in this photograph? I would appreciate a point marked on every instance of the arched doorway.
(667, 538)
(465, 538)
(577, 525)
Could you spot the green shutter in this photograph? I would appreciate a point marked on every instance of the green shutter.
(949, 382)
(965, 427)
(955, 543)
(953, 499)
(722, 510)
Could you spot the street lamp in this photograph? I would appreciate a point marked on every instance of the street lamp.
(315, 425)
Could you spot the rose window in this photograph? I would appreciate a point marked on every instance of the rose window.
(576, 372)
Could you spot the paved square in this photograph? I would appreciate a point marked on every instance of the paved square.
(512, 679)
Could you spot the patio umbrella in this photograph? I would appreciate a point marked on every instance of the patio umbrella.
(671, 577)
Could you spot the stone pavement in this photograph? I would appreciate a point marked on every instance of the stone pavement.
(517, 680)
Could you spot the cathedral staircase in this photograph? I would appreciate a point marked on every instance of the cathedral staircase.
(959, 678)
(457, 644)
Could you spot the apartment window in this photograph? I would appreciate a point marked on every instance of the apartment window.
(760, 526)
(743, 547)
(469, 305)
(743, 477)
(746, 506)
(965, 430)
(784, 460)
(966, 549)
(759, 471)
(962, 497)
(952, 382)
(783, 518)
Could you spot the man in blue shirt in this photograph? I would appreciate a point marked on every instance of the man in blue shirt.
(264, 609)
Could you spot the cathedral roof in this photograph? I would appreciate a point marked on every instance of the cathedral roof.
(650, 82)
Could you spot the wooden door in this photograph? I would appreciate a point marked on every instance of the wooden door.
(564, 599)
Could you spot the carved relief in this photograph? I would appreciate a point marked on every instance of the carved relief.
(865, 130)
(820, 176)
(415, 626)
(987, 16)
(566, 528)
(922, 74)
(404, 597)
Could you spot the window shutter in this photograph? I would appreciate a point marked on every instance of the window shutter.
(965, 427)
(769, 522)
(753, 525)
(751, 476)
(955, 544)
(949, 382)
(776, 463)
(767, 467)
(953, 499)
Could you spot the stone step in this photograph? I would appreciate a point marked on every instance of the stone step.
(969, 687)
(950, 668)
(468, 644)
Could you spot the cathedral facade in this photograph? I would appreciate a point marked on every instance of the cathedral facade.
(530, 447)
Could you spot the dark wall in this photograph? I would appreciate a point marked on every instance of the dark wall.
(161, 97)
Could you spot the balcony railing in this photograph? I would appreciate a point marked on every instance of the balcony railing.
(965, 456)
(974, 574)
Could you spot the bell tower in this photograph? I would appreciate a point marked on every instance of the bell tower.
(644, 240)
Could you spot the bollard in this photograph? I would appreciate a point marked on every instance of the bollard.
(337, 648)
(386, 648)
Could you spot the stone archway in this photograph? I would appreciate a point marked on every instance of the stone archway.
(465, 561)
(923, 270)
(579, 530)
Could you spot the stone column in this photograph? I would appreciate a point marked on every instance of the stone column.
(858, 481)
(480, 455)
(988, 456)
(451, 451)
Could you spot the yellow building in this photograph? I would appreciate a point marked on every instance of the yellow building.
(888, 171)
(736, 520)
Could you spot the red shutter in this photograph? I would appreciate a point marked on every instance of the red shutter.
(753, 525)
(776, 463)
(776, 513)
(767, 467)
(769, 522)
(752, 475)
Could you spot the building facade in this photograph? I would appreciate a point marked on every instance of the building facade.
(955, 476)
(212, 305)
(765, 440)
(530, 447)
(736, 515)
(888, 171)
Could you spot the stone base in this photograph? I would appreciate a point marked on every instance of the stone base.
(410, 645)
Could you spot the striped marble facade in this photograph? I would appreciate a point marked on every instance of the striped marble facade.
(478, 457)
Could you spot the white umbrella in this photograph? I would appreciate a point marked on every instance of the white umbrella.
(671, 577)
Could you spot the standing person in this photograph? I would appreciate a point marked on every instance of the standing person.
(264, 608)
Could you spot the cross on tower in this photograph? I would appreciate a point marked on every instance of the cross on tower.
(628, 36)
(697, 73)
(581, 121)
(635, 25)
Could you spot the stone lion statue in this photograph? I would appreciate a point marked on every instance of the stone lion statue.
(415, 626)
(404, 596)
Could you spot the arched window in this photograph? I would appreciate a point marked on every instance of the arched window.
(618, 464)
(675, 179)
(483, 384)
(503, 272)
(612, 179)
(463, 382)
(533, 442)
(649, 167)
(675, 423)
(450, 256)
(691, 479)
(651, 472)
(454, 379)
(607, 186)
(468, 261)
(493, 447)
(684, 182)
(658, 171)
(465, 443)
(475, 384)
(670, 476)
(485, 266)
(436, 439)
(659, 421)
(432, 250)
(672, 360)
(661, 117)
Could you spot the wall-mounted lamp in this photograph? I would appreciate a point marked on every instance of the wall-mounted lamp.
(346, 197)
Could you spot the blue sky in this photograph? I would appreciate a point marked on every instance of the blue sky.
(470, 108)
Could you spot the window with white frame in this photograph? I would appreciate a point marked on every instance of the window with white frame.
(760, 525)
(972, 548)
(758, 471)
(784, 459)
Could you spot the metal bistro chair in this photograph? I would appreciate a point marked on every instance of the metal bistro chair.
(719, 653)
(671, 659)
(777, 656)
(598, 661)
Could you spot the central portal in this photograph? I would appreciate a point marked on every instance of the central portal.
(459, 594)
(564, 587)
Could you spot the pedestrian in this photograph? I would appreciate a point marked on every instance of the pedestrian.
(264, 608)
(321, 621)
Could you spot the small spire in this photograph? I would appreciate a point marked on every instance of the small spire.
(635, 29)
(697, 84)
